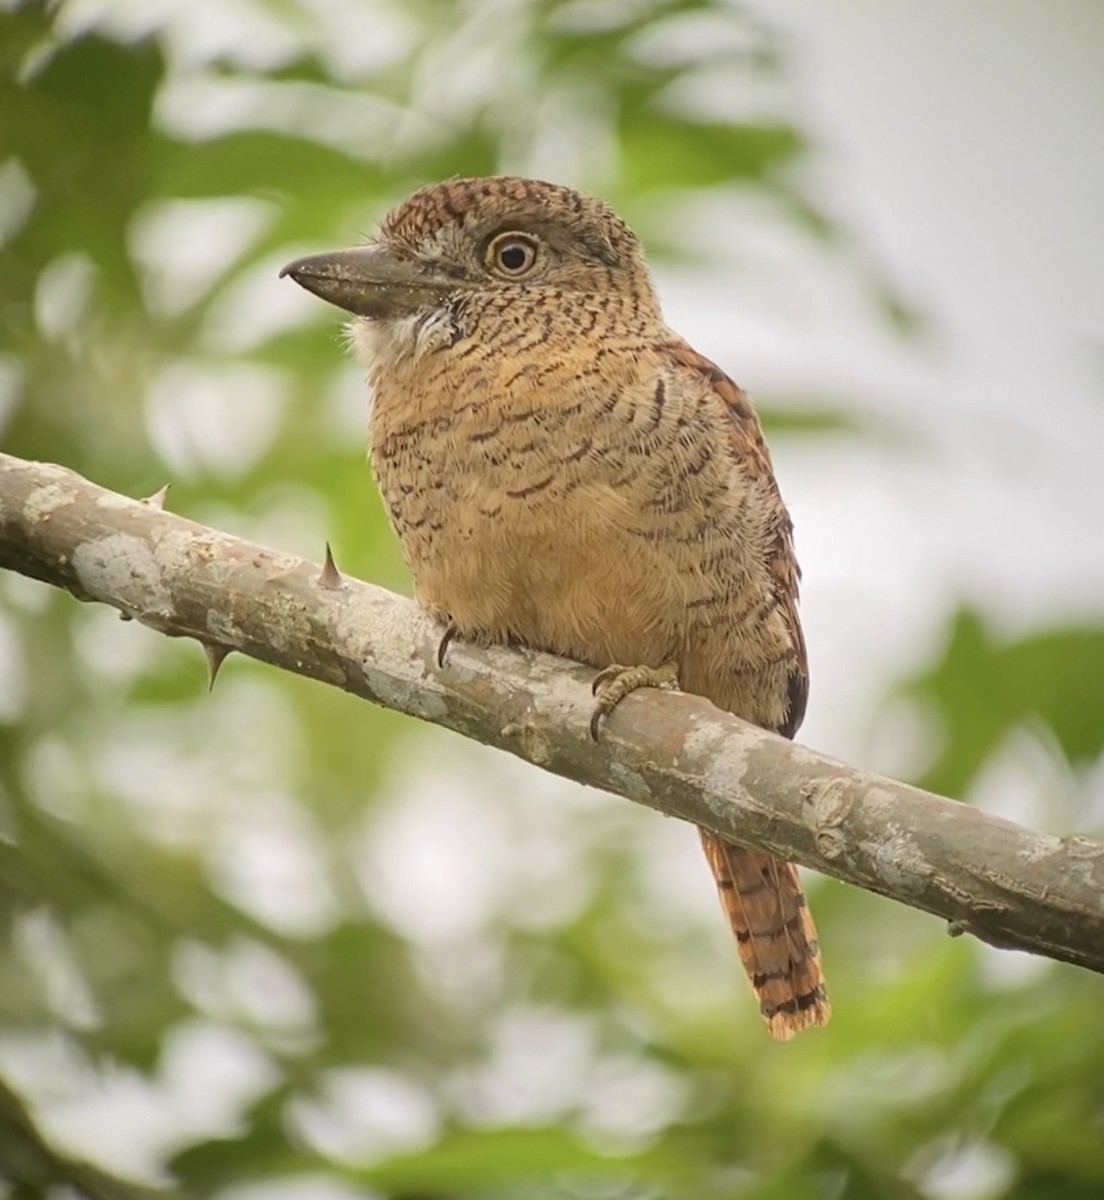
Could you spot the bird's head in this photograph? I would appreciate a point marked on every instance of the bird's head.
(495, 237)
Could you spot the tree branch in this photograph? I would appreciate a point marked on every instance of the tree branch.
(675, 753)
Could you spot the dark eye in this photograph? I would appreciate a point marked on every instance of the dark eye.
(512, 254)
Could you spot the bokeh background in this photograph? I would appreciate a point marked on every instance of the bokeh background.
(271, 942)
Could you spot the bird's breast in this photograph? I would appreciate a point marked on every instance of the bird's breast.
(515, 492)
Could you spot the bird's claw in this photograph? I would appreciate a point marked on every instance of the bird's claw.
(605, 676)
(615, 682)
(442, 648)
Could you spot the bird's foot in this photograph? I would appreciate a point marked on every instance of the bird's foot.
(612, 685)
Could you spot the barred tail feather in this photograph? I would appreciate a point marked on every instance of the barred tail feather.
(775, 935)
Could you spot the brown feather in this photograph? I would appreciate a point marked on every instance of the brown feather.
(775, 935)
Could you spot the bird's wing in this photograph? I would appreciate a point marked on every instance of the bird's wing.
(750, 451)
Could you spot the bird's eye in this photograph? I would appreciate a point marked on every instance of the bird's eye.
(512, 254)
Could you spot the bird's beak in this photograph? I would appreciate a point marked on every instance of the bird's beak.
(370, 281)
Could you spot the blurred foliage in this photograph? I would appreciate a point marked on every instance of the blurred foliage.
(983, 686)
(270, 942)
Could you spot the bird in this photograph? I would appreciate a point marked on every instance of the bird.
(565, 472)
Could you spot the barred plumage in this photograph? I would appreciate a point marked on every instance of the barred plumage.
(565, 472)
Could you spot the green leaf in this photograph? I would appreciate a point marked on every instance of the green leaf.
(983, 687)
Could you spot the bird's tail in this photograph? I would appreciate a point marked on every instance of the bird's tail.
(775, 934)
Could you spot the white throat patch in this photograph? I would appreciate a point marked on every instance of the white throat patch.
(401, 341)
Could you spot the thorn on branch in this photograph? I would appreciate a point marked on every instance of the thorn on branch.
(216, 655)
(157, 500)
(330, 577)
(955, 928)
